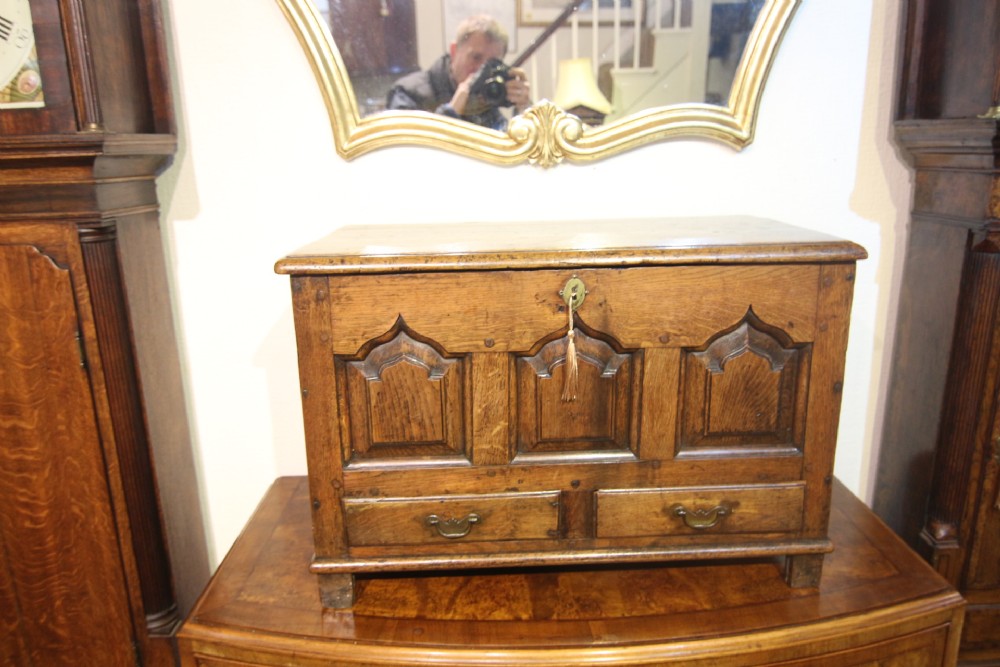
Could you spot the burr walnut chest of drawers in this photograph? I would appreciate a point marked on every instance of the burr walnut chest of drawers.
(569, 393)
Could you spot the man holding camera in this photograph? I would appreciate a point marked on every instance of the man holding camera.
(458, 85)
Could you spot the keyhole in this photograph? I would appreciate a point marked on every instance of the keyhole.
(573, 293)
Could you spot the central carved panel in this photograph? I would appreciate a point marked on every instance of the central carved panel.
(601, 418)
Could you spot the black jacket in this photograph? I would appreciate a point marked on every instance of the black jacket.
(432, 90)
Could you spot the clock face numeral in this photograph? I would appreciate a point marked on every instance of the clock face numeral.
(20, 78)
(6, 27)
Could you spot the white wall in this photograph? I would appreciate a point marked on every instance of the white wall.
(257, 175)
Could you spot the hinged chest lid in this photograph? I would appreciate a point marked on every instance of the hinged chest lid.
(538, 245)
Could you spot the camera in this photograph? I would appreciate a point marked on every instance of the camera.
(490, 85)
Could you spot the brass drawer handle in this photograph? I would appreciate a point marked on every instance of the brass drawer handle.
(700, 519)
(452, 528)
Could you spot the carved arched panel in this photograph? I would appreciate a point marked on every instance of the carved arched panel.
(745, 390)
(602, 417)
(403, 399)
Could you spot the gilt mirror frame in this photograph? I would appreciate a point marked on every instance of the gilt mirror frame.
(544, 134)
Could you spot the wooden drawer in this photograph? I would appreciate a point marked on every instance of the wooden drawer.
(773, 508)
(928, 648)
(440, 520)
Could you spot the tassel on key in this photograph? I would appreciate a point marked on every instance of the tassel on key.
(573, 294)
(572, 366)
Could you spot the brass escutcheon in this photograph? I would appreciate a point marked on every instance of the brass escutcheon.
(573, 293)
(452, 528)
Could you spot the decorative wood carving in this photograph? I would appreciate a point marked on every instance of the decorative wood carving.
(404, 400)
(746, 389)
(602, 418)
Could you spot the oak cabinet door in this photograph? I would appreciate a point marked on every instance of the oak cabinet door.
(62, 588)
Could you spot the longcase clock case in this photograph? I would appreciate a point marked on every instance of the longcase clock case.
(84, 570)
(938, 482)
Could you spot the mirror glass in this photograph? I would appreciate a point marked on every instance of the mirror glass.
(604, 75)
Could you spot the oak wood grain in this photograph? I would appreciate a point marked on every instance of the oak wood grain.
(61, 566)
(498, 517)
(491, 420)
(511, 311)
(680, 510)
(878, 601)
(87, 160)
(745, 370)
(551, 244)
(322, 409)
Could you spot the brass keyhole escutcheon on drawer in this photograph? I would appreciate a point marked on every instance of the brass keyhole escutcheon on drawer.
(700, 519)
(452, 528)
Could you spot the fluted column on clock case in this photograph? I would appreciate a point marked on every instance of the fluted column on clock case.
(111, 314)
(966, 445)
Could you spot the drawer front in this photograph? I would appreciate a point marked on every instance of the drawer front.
(928, 648)
(773, 508)
(443, 520)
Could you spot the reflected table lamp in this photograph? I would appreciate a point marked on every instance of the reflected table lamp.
(577, 92)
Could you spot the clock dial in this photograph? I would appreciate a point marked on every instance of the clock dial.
(16, 38)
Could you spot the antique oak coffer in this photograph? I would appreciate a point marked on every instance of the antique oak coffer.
(569, 393)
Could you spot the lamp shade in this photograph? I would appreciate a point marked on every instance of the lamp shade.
(577, 87)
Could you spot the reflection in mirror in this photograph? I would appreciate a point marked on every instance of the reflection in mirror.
(684, 50)
(606, 76)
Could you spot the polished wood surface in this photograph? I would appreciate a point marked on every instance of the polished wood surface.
(878, 603)
(938, 479)
(548, 244)
(460, 417)
(48, 363)
(85, 163)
